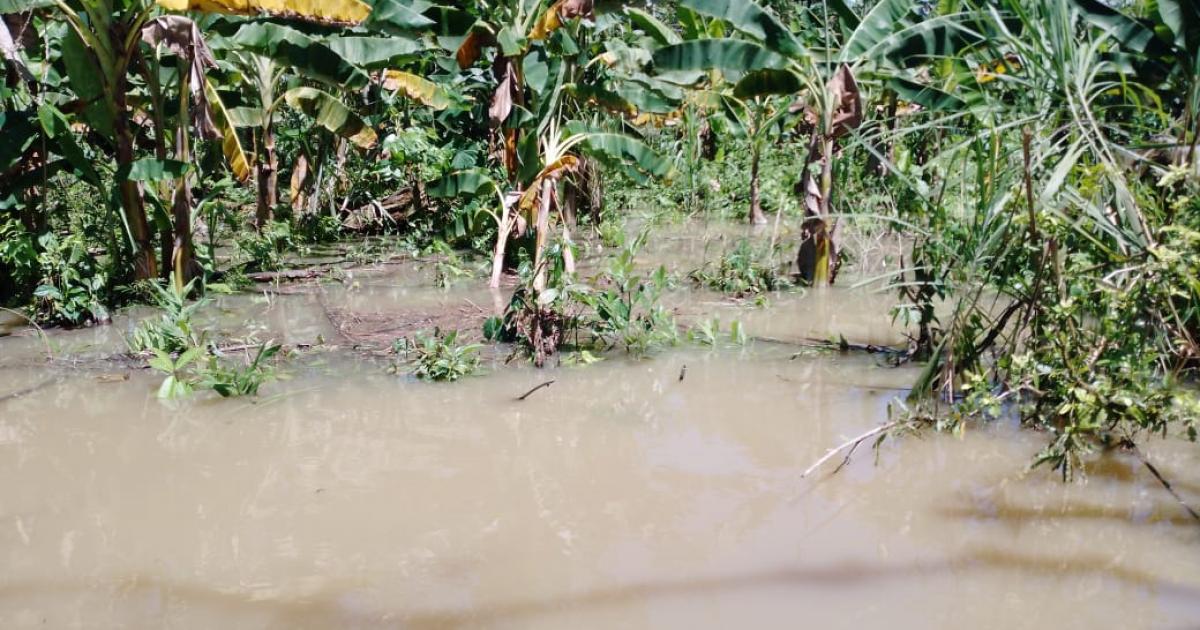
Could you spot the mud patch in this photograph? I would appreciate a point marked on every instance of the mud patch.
(376, 331)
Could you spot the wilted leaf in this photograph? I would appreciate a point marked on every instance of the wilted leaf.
(332, 114)
(328, 11)
(231, 146)
(417, 88)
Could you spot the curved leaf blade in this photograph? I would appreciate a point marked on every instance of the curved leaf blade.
(331, 114)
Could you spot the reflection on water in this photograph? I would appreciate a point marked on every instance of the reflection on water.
(621, 496)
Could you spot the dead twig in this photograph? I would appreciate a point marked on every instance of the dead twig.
(530, 392)
(1162, 480)
(41, 333)
(850, 444)
(28, 390)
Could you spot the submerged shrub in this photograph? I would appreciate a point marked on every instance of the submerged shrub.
(172, 330)
(741, 272)
(440, 356)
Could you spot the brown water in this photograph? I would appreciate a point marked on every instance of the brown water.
(619, 497)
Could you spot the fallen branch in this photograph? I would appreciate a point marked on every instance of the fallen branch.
(850, 444)
(41, 333)
(1162, 480)
(530, 392)
(28, 390)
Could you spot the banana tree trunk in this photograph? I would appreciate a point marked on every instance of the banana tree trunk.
(817, 257)
(267, 174)
(543, 229)
(181, 207)
(501, 244)
(145, 267)
(756, 212)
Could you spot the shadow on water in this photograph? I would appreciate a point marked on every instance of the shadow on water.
(343, 607)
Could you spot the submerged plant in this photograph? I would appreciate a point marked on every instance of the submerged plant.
(440, 356)
(741, 272)
(179, 381)
(172, 331)
(241, 380)
(627, 305)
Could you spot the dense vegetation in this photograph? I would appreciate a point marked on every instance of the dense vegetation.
(1039, 161)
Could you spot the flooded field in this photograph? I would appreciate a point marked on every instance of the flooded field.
(656, 493)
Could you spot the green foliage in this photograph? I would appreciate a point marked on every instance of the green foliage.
(440, 356)
(172, 330)
(707, 332)
(627, 305)
(179, 380)
(315, 229)
(263, 251)
(233, 380)
(72, 284)
(741, 272)
(18, 260)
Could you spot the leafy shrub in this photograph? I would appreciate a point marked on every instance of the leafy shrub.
(264, 251)
(171, 331)
(318, 228)
(741, 272)
(71, 285)
(18, 261)
(440, 357)
(240, 380)
(627, 305)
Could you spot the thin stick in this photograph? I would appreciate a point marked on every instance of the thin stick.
(41, 333)
(849, 444)
(1165, 484)
(530, 392)
(28, 390)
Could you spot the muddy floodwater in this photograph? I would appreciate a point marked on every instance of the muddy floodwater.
(655, 493)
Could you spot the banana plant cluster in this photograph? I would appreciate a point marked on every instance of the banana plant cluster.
(143, 86)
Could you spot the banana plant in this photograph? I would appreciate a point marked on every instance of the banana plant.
(537, 113)
(104, 44)
(267, 55)
(763, 57)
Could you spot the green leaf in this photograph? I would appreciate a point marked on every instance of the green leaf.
(55, 124)
(722, 54)
(469, 182)
(652, 26)
(17, 133)
(623, 149)
(246, 116)
(926, 96)
(375, 52)
(847, 18)
(753, 20)
(87, 81)
(331, 114)
(492, 328)
(396, 16)
(289, 47)
(766, 82)
(188, 356)
(1183, 18)
(21, 6)
(152, 170)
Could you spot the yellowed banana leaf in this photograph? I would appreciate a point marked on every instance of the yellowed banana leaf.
(329, 11)
(417, 88)
(230, 145)
(332, 114)
(553, 171)
(554, 17)
(548, 23)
